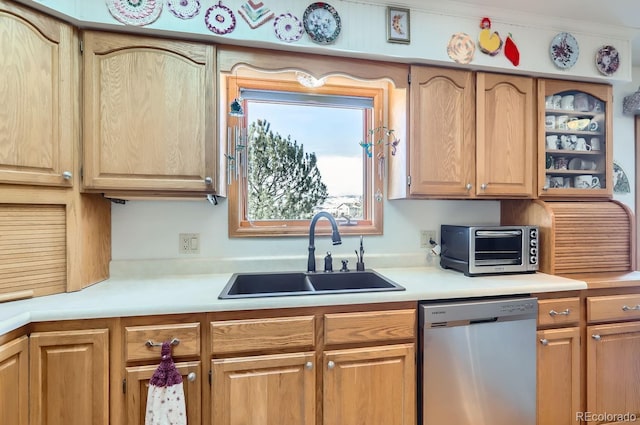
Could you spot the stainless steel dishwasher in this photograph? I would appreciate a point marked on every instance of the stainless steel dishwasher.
(478, 362)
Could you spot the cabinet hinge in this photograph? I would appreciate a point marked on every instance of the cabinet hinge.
(81, 47)
(408, 180)
(210, 376)
(124, 386)
(409, 78)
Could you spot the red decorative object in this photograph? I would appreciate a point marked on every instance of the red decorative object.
(511, 51)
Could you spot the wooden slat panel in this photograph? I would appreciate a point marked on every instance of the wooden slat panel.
(591, 236)
(33, 246)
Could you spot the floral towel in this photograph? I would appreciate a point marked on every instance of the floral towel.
(165, 399)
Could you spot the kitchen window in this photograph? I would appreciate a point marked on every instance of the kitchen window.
(293, 151)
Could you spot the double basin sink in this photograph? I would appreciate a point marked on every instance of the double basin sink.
(271, 284)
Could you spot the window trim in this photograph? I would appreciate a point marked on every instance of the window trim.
(374, 169)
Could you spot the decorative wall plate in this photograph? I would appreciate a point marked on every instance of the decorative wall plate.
(288, 28)
(255, 14)
(620, 180)
(322, 22)
(135, 12)
(607, 60)
(461, 48)
(564, 50)
(184, 9)
(220, 19)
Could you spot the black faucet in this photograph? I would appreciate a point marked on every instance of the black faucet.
(335, 237)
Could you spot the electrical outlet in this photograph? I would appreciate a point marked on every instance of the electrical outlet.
(189, 243)
(426, 236)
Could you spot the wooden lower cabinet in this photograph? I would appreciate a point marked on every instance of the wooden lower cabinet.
(373, 386)
(613, 372)
(69, 373)
(276, 389)
(14, 382)
(138, 377)
(558, 372)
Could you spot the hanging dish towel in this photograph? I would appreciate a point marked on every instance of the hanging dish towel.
(165, 399)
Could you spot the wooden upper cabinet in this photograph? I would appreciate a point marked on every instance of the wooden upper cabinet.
(505, 135)
(149, 115)
(38, 92)
(472, 135)
(442, 112)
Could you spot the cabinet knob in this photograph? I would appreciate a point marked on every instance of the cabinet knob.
(191, 377)
(483, 186)
(596, 337)
(544, 341)
(469, 186)
(331, 364)
(308, 365)
(67, 175)
(208, 180)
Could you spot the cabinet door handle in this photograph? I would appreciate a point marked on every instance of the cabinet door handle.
(560, 313)
(191, 377)
(208, 180)
(544, 341)
(67, 175)
(331, 364)
(627, 308)
(483, 186)
(469, 186)
(308, 365)
(596, 337)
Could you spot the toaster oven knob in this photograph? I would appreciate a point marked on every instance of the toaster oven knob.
(533, 242)
(533, 234)
(533, 251)
(533, 259)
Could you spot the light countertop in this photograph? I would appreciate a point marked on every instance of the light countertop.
(119, 297)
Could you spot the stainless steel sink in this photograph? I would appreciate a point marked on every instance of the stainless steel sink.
(274, 284)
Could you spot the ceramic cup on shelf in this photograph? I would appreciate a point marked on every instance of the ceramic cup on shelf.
(567, 142)
(556, 182)
(581, 102)
(548, 102)
(557, 101)
(586, 181)
(552, 142)
(561, 122)
(595, 144)
(560, 163)
(547, 182)
(550, 122)
(581, 144)
(566, 102)
(566, 183)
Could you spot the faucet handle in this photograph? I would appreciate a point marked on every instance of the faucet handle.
(344, 266)
(328, 262)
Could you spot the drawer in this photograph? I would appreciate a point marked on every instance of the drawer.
(187, 336)
(613, 307)
(344, 328)
(233, 336)
(560, 311)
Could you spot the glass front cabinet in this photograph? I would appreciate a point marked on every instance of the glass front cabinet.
(575, 156)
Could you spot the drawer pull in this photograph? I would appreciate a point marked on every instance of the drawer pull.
(191, 377)
(150, 344)
(553, 313)
(627, 308)
(596, 337)
(544, 341)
